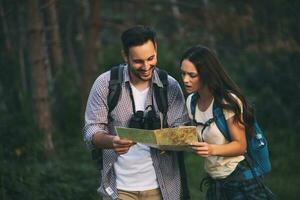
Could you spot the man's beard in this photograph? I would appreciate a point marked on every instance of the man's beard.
(139, 74)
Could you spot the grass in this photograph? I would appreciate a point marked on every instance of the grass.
(71, 174)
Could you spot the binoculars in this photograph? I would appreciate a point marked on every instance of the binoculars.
(145, 121)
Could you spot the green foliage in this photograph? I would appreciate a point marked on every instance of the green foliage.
(66, 102)
(68, 175)
(284, 177)
(195, 173)
(262, 73)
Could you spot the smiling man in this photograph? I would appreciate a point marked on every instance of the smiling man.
(135, 171)
(142, 60)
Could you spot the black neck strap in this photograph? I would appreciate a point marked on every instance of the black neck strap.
(205, 124)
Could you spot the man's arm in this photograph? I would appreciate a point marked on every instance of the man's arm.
(95, 131)
(96, 111)
(105, 141)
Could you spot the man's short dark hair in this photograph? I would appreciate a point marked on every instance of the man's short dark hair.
(136, 36)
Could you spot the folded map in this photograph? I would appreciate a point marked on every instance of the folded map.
(176, 139)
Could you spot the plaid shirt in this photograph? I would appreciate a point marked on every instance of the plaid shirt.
(165, 165)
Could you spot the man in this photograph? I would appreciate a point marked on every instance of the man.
(134, 171)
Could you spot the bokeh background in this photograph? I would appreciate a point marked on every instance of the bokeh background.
(51, 51)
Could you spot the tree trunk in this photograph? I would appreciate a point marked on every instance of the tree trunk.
(22, 41)
(208, 25)
(70, 49)
(90, 64)
(7, 42)
(177, 16)
(39, 75)
(55, 44)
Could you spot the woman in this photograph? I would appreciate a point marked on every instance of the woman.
(204, 77)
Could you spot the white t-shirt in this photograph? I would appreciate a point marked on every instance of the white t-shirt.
(217, 167)
(134, 170)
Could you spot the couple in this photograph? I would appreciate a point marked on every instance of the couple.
(135, 171)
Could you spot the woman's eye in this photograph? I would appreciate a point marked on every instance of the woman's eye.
(193, 75)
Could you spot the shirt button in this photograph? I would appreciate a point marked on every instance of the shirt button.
(110, 164)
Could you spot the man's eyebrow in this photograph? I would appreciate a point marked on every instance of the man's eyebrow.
(138, 60)
(150, 57)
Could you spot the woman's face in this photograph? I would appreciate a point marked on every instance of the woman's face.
(190, 76)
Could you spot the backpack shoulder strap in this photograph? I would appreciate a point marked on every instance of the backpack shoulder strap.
(161, 95)
(114, 87)
(193, 104)
(221, 121)
(114, 90)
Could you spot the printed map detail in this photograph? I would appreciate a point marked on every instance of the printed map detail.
(176, 139)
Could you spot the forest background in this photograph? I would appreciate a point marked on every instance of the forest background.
(52, 51)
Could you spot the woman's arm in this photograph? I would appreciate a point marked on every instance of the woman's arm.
(236, 147)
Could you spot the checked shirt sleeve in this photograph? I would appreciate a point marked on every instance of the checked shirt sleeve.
(96, 110)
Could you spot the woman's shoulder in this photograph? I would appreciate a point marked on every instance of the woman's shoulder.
(188, 102)
(188, 99)
(239, 101)
(235, 97)
(229, 113)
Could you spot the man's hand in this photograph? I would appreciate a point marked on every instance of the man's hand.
(121, 146)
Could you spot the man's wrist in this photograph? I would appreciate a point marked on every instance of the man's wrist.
(103, 140)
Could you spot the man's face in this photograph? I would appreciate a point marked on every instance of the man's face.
(142, 61)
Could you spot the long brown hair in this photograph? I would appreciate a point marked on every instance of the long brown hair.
(213, 75)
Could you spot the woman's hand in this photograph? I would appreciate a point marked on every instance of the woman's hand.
(235, 147)
(121, 146)
(202, 149)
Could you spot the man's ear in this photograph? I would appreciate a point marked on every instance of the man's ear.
(155, 46)
(125, 57)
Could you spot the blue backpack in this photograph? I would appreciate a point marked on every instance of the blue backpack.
(257, 146)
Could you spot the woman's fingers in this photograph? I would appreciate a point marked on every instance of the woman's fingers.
(200, 148)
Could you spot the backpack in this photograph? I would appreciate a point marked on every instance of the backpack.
(161, 97)
(257, 147)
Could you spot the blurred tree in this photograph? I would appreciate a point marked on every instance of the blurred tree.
(90, 61)
(208, 24)
(39, 74)
(177, 17)
(6, 36)
(53, 31)
(21, 46)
